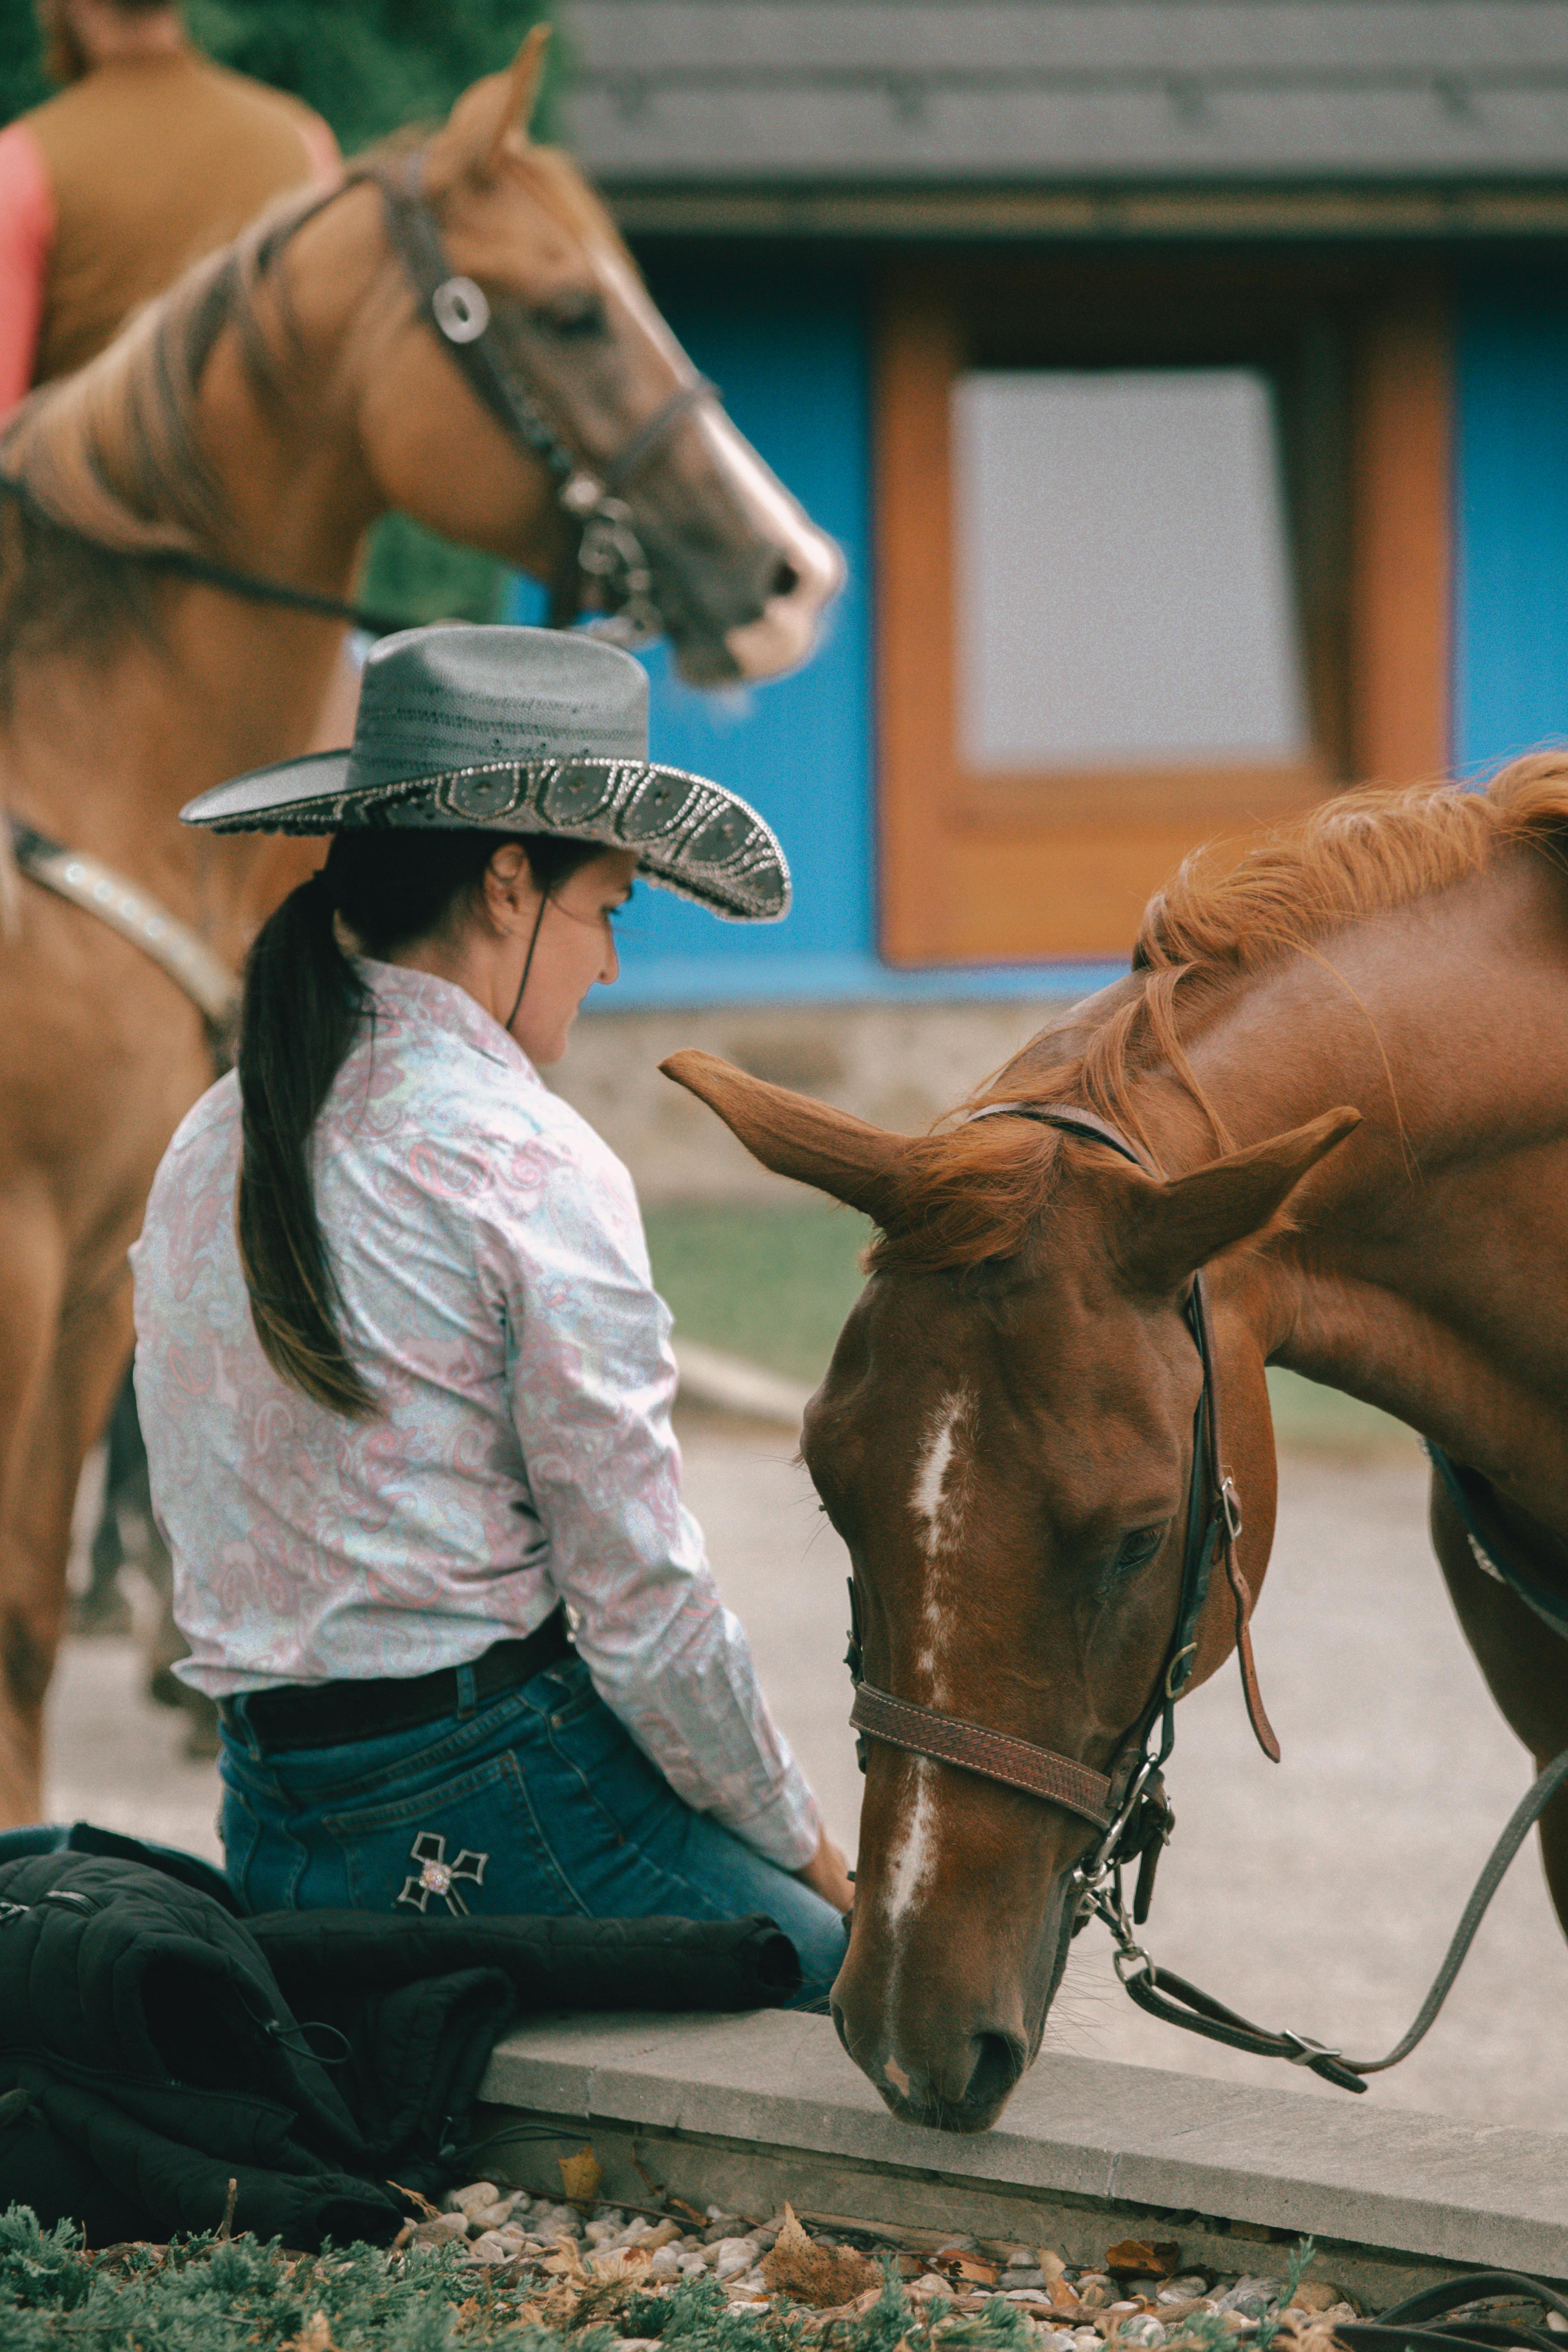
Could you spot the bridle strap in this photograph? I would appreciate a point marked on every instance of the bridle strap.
(994, 1755)
(606, 549)
(1129, 1807)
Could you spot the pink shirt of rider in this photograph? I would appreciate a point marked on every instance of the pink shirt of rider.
(496, 1290)
(26, 233)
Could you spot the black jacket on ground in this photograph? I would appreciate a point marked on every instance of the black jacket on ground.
(151, 2045)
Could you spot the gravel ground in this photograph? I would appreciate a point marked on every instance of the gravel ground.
(1318, 1894)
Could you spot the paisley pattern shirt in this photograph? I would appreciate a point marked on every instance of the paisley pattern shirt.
(496, 1291)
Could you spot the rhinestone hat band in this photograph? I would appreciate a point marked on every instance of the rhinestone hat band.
(700, 841)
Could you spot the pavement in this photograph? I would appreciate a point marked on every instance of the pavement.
(1318, 1894)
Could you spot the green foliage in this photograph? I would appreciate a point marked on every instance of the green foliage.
(23, 82)
(204, 2295)
(415, 574)
(368, 65)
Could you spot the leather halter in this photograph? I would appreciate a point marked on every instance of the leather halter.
(607, 557)
(1129, 1807)
(1023, 1763)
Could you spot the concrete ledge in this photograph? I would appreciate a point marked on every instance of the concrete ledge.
(749, 2106)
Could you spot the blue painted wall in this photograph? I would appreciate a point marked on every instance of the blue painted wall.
(1511, 512)
(789, 345)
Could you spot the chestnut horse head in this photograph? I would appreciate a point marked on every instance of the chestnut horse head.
(1005, 1442)
(459, 333)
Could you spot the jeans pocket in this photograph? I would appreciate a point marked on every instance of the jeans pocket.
(470, 1845)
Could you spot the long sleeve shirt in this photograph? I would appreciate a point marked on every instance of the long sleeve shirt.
(496, 1293)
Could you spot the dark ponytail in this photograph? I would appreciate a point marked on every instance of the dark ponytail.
(304, 1004)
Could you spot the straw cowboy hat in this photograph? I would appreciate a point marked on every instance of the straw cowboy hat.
(525, 731)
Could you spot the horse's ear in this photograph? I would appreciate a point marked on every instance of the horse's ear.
(1170, 1230)
(795, 1136)
(486, 117)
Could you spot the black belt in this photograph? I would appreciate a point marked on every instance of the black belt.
(330, 1715)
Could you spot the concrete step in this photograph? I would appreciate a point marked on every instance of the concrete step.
(747, 2111)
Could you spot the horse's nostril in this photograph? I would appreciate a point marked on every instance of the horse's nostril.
(996, 2070)
(785, 579)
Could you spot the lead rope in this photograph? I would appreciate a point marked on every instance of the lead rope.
(1171, 1997)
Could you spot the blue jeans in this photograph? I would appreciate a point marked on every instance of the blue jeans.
(536, 1802)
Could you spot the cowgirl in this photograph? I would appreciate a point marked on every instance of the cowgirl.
(404, 1382)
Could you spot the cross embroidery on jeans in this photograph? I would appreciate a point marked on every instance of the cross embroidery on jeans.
(436, 1876)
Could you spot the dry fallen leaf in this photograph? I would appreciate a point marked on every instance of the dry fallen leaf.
(1141, 2258)
(566, 2261)
(824, 2277)
(971, 2270)
(583, 2176)
(316, 2336)
(1315, 2295)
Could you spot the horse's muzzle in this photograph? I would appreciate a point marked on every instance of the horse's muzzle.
(962, 2083)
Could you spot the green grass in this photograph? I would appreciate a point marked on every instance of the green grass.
(774, 1284)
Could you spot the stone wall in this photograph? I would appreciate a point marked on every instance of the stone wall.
(899, 1065)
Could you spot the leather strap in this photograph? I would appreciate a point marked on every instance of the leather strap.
(994, 1755)
(99, 890)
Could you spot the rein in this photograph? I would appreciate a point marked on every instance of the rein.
(1129, 1808)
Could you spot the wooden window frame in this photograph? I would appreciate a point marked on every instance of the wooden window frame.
(978, 868)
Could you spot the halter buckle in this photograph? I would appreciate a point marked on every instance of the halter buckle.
(1230, 1504)
(460, 310)
(1179, 1668)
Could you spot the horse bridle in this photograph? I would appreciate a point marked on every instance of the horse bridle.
(1129, 1806)
(605, 559)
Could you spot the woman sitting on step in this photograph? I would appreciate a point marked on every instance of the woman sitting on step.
(407, 1398)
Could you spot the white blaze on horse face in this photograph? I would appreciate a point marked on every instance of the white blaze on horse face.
(941, 1474)
(938, 1503)
(917, 1848)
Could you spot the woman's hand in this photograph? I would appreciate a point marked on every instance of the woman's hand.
(827, 1874)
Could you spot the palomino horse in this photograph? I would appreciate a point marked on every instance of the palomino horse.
(262, 416)
(1004, 1438)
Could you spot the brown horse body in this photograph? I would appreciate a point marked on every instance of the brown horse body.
(264, 414)
(1004, 1436)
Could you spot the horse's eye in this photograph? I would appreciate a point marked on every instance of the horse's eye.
(1137, 1549)
(574, 318)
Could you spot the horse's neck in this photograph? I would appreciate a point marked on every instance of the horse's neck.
(103, 743)
(1427, 1272)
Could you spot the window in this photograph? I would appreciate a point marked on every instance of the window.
(1162, 555)
(1125, 596)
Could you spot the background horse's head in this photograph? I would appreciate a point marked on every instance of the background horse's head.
(740, 574)
(1003, 1440)
(458, 333)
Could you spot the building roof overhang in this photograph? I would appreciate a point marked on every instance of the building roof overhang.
(888, 117)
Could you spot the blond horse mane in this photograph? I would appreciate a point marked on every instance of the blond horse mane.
(974, 1191)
